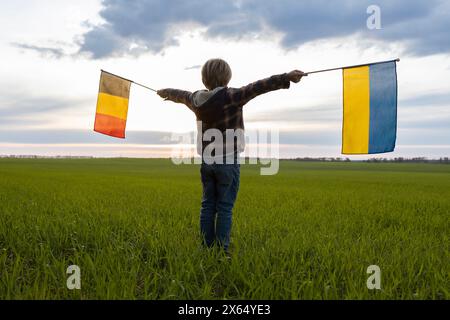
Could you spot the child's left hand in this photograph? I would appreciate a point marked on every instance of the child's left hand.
(296, 75)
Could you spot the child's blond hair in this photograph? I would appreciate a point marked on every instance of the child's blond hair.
(216, 73)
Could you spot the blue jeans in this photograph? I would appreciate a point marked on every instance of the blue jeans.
(220, 187)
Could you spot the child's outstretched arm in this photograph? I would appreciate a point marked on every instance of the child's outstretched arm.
(250, 91)
(175, 95)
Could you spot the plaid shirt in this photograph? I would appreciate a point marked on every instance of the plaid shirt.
(223, 110)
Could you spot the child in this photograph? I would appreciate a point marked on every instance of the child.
(220, 108)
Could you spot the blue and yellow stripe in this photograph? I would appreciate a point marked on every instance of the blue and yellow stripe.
(370, 109)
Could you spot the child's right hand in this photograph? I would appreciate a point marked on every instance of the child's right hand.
(162, 93)
(296, 75)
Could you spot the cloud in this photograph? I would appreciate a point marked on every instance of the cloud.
(44, 51)
(77, 136)
(423, 118)
(435, 99)
(319, 113)
(193, 67)
(22, 109)
(152, 25)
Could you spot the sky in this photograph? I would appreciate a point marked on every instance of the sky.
(52, 52)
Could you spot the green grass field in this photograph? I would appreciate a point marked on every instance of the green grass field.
(310, 232)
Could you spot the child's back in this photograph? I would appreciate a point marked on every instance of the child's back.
(219, 115)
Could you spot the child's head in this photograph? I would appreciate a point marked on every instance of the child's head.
(216, 73)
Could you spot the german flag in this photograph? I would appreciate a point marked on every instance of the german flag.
(112, 105)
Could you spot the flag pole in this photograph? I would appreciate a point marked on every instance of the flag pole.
(144, 86)
(354, 66)
(128, 80)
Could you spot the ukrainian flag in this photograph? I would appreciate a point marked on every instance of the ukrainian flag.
(370, 108)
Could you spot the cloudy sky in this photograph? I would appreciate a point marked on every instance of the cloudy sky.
(52, 52)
